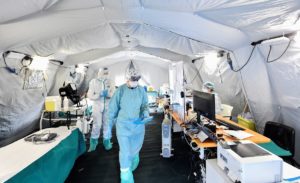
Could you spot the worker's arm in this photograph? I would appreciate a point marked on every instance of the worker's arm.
(111, 88)
(114, 106)
(92, 93)
(144, 107)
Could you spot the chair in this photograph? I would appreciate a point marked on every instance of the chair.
(283, 136)
(226, 110)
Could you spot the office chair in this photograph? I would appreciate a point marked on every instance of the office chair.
(283, 136)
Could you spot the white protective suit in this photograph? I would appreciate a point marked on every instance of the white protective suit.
(209, 87)
(97, 87)
(74, 76)
(218, 103)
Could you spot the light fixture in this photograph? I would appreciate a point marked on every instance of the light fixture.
(221, 53)
(211, 60)
(14, 55)
(39, 63)
(81, 68)
(297, 37)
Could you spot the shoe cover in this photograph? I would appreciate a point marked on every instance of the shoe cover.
(127, 177)
(107, 144)
(93, 144)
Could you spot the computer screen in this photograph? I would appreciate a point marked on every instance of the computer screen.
(204, 103)
(152, 96)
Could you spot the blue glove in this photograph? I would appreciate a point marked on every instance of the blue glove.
(141, 121)
(104, 93)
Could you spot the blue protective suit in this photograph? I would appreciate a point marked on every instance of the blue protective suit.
(127, 106)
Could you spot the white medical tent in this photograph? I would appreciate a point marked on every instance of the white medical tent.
(258, 37)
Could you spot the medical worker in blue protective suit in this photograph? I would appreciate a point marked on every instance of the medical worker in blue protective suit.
(129, 107)
(100, 90)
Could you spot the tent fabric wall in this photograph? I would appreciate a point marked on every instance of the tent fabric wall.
(272, 88)
(152, 74)
(20, 109)
(81, 32)
(177, 84)
(256, 85)
(227, 83)
(285, 78)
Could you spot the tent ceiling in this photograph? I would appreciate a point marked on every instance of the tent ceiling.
(98, 54)
(136, 56)
(185, 27)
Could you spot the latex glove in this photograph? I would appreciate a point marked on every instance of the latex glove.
(145, 114)
(104, 93)
(141, 121)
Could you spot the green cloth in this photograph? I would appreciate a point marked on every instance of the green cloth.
(56, 164)
(275, 149)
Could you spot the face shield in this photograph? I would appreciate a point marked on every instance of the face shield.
(103, 73)
(132, 74)
(208, 86)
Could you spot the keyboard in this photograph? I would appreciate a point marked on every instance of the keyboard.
(228, 125)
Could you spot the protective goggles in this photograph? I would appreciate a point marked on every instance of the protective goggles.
(135, 78)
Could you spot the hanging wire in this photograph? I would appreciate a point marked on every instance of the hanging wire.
(270, 49)
(247, 62)
(197, 74)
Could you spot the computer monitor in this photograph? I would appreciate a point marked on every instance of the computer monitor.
(204, 104)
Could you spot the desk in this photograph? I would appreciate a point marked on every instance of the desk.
(256, 138)
(208, 145)
(52, 162)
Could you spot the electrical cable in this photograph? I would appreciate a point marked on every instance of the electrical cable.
(197, 74)
(248, 60)
(189, 143)
(270, 49)
(10, 69)
(58, 65)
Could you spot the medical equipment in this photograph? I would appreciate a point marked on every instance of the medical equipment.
(69, 91)
(166, 135)
(39, 138)
(247, 162)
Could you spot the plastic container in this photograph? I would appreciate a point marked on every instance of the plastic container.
(53, 103)
(247, 123)
(83, 125)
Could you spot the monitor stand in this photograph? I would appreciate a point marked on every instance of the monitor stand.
(211, 135)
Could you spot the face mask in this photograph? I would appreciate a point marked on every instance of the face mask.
(105, 76)
(205, 90)
(132, 84)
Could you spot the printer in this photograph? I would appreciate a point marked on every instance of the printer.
(246, 162)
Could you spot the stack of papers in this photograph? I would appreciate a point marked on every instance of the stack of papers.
(239, 134)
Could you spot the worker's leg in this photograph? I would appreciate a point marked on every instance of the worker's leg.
(125, 159)
(97, 123)
(106, 130)
(136, 142)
